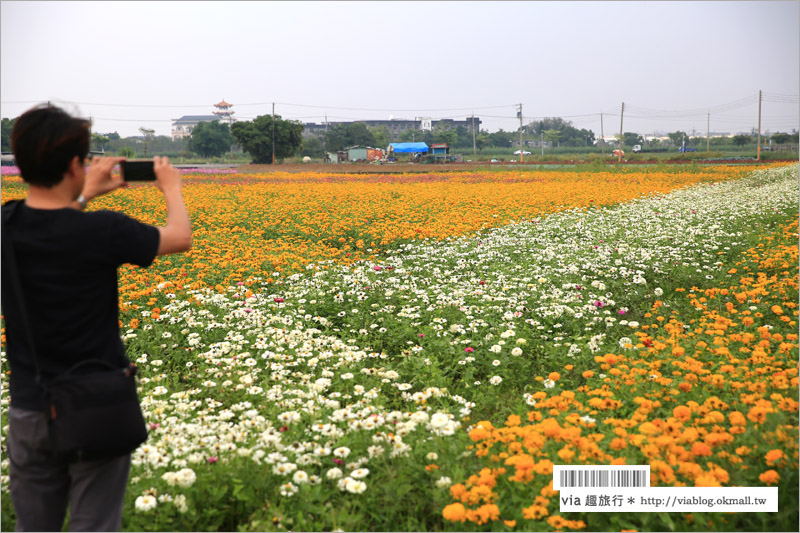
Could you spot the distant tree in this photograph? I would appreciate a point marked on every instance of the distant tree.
(100, 142)
(381, 137)
(313, 146)
(553, 136)
(501, 139)
(147, 134)
(343, 136)
(548, 123)
(677, 137)
(742, 139)
(784, 138)
(631, 139)
(444, 134)
(127, 152)
(481, 140)
(210, 139)
(417, 136)
(7, 125)
(114, 136)
(255, 137)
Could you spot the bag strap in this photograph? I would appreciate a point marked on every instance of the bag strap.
(11, 269)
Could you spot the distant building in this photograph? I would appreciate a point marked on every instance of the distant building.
(396, 127)
(224, 112)
(182, 127)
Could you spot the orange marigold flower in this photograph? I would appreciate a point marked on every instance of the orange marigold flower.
(773, 456)
(700, 448)
(535, 512)
(737, 419)
(706, 479)
(457, 490)
(776, 309)
(510, 523)
(770, 477)
(455, 512)
(682, 413)
(554, 376)
(479, 433)
(513, 420)
(588, 374)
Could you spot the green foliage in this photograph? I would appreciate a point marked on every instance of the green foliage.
(677, 137)
(147, 135)
(100, 141)
(501, 139)
(560, 132)
(381, 137)
(7, 126)
(255, 137)
(630, 139)
(210, 139)
(126, 151)
(785, 138)
(343, 136)
(741, 139)
(313, 146)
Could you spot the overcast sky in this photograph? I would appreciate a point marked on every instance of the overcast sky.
(134, 64)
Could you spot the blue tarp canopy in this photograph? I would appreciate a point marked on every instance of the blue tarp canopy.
(402, 148)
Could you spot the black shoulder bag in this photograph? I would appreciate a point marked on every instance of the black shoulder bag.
(93, 409)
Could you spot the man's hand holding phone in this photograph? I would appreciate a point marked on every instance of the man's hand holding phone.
(98, 178)
(168, 177)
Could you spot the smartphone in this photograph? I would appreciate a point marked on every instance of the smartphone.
(138, 171)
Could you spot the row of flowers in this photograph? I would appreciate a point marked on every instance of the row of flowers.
(326, 383)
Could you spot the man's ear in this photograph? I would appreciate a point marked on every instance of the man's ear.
(75, 166)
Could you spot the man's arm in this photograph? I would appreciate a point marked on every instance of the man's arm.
(176, 235)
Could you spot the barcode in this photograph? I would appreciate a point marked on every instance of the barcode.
(608, 476)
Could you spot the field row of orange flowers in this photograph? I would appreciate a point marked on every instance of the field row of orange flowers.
(707, 397)
(248, 227)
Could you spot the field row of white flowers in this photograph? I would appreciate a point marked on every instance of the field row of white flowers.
(342, 379)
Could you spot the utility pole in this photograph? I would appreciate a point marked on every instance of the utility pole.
(708, 134)
(602, 136)
(622, 112)
(474, 145)
(758, 154)
(519, 114)
(541, 143)
(273, 133)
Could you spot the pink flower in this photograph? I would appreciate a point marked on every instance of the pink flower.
(598, 303)
(469, 349)
(153, 425)
(240, 283)
(421, 335)
(621, 311)
(376, 268)
(213, 459)
(338, 461)
(279, 300)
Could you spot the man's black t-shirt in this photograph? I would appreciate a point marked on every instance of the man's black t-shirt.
(67, 262)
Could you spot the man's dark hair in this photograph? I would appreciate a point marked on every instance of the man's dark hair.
(44, 141)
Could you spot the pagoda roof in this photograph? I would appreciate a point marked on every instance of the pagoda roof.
(223, 103)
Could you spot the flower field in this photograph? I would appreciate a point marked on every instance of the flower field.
(414, 352)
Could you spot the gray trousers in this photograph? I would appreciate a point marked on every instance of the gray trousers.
(41, 487)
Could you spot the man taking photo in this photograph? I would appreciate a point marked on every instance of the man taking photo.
(67, 261)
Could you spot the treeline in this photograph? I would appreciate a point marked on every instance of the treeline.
(215, 139)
